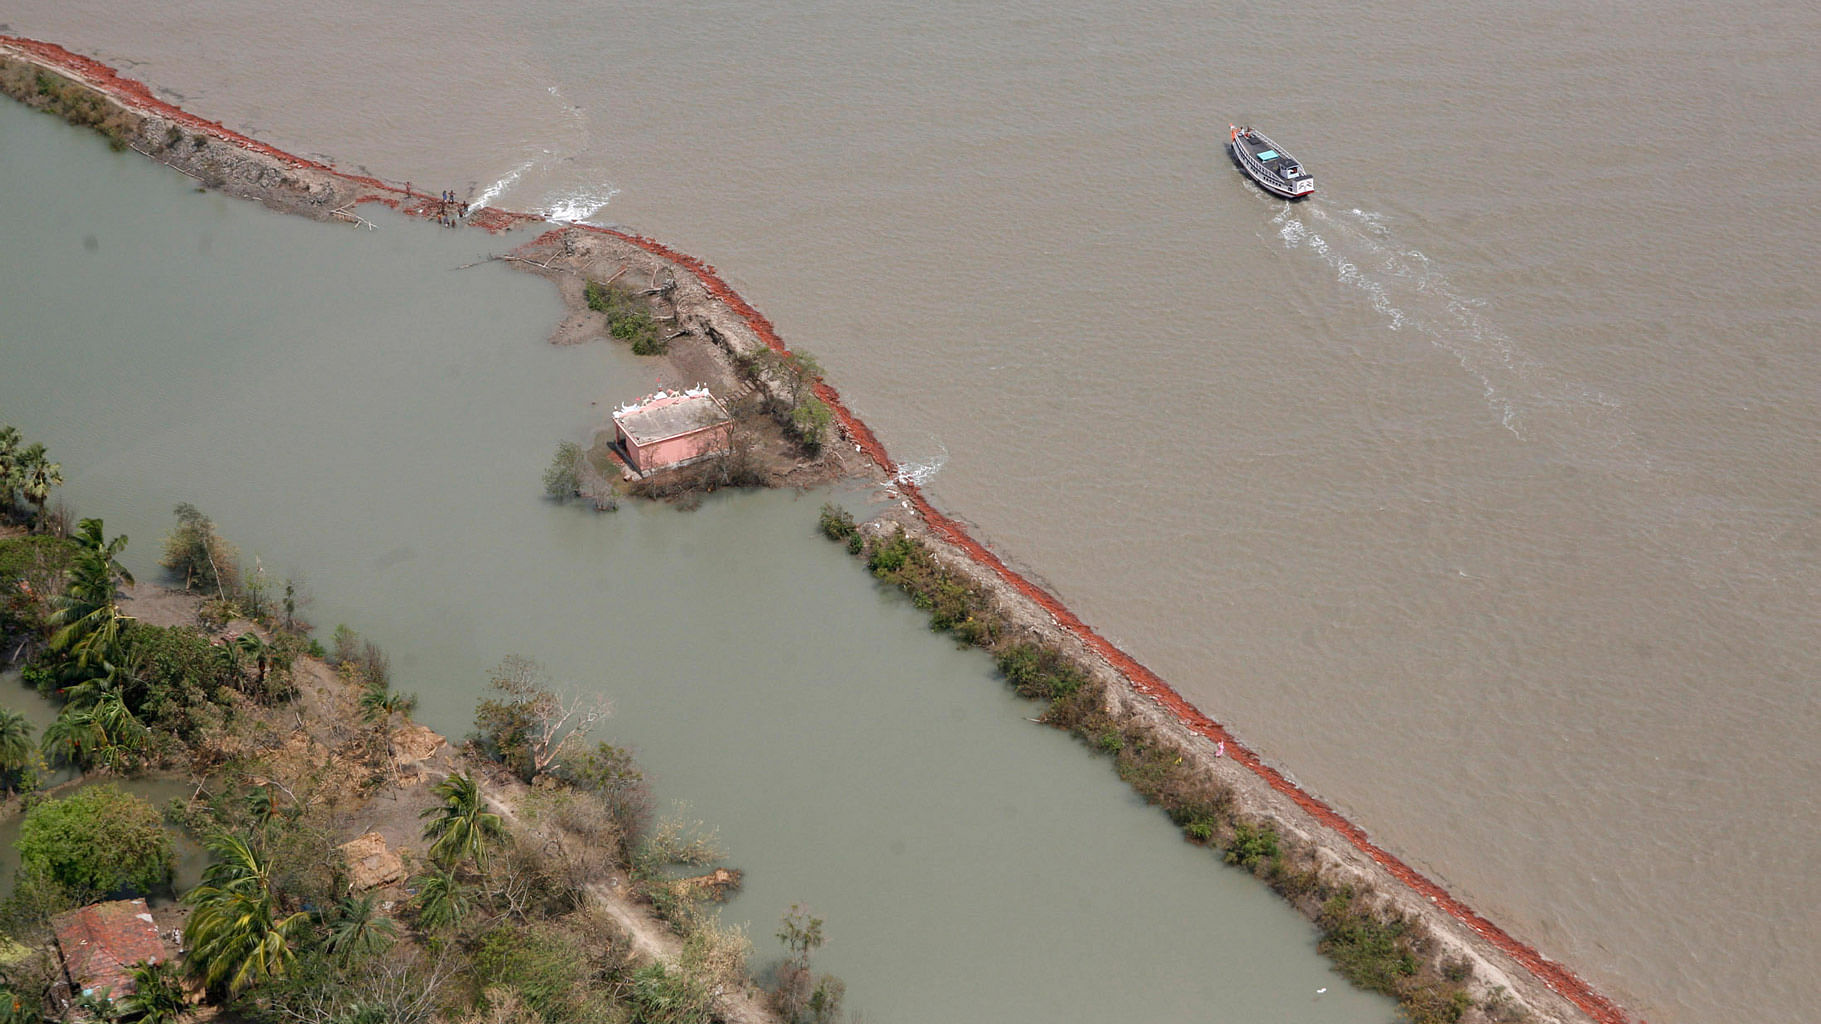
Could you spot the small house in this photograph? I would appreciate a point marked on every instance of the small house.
(673, 428)
(371, 863)
(101, 944)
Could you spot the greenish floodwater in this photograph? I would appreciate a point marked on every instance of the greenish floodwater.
(351, 409)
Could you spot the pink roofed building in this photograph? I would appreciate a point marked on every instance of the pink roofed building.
(673, 428)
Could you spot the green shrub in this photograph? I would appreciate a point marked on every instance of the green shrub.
(195, 552)
(100, 840)
(1364, 947)
(600, 297)
(836, 522)
(181, 674)
(612, 774)
(1252, 845)
(628, 317)
(662, 996)
(24, 559)
(562, 480)
(1434, 1003)
(809, 422)
(542, 966)
(1041, 673)
(893, 554)
(1295, 883)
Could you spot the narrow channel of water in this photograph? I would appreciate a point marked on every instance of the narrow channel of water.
(347, 405)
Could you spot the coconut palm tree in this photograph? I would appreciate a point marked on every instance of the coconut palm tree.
(442, 898)
(461, 826)
(73, 738)
(379, 706)
(237, 933)
(104, 734)
(262, 804)
(358, 932)
(254, 648)
(16, 748)
(18, 1009)
(88, 619)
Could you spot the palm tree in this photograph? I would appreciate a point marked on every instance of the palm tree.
(104, 734)
(157, 994)
(9, 465)
(88, 619)
(253, 646)
(380, 706)
(36, 475)
(16, 747)
(237, 934)
(74, 738)
(262, 804)
(442, 899)
(358, 932)
(461, 826)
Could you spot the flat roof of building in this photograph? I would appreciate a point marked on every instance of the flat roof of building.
(669, 414)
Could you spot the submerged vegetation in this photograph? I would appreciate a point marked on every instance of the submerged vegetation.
(1370, 942)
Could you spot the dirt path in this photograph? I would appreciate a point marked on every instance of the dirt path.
(651, 938)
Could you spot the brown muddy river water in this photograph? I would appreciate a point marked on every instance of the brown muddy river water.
(1479, 492)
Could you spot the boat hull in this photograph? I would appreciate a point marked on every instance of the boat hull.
(1300, 186)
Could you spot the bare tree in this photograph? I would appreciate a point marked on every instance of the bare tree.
(536, 726)
(402, 987)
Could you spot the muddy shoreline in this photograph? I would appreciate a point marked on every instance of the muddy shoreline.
(227, 161)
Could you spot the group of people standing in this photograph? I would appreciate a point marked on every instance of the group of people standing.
(450, 211)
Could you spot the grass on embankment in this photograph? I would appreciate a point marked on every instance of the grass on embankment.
(1369, 942)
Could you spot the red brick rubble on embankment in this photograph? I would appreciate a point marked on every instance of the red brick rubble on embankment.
(1557, 977)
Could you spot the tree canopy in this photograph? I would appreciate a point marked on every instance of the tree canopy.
(99, 839)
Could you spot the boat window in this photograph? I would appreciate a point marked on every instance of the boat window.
(1269, 154)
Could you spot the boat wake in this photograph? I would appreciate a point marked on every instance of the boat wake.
(1407, 289)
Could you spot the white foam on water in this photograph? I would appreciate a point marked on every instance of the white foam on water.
(576, 207)
(1405, 288)
(498, 188)
(921, 472)
(564, 207)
